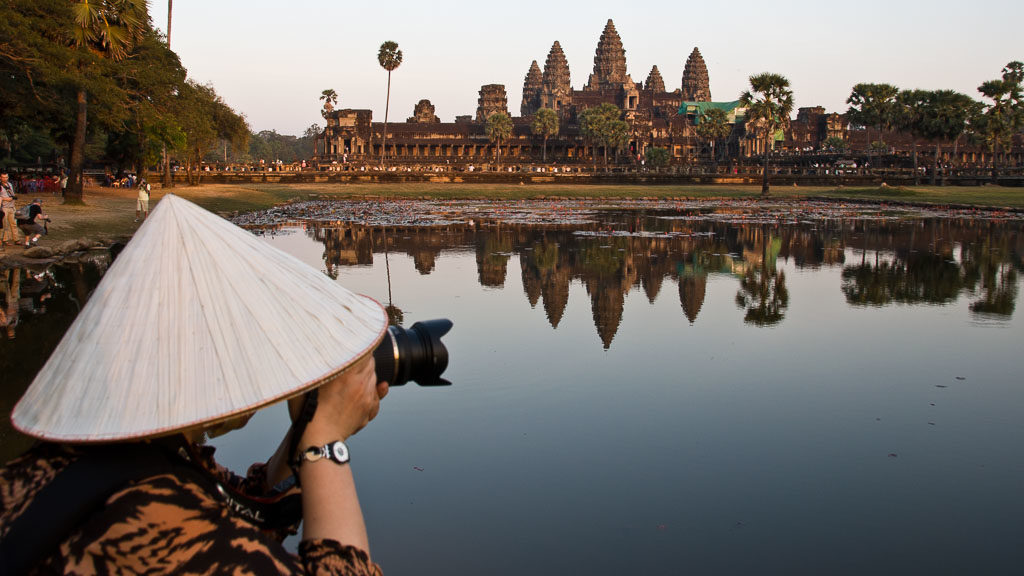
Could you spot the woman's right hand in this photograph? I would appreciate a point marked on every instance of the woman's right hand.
(346, 404)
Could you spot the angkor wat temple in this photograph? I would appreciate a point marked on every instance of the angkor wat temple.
(656, 116)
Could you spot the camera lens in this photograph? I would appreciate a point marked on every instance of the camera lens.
(415, 354)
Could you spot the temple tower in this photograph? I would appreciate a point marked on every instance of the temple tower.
(533, 89)
(696, 85)
(492, 101)
(655, 82)
(423, 113)
(557, 87)
(609, 62)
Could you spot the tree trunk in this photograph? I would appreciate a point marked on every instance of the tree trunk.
(935, 164)
(867, 132)
(544, 155)
(917, 175)
(995, 163)
(765, 186)
(387, 104)
(76, 181)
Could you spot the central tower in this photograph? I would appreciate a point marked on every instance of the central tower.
(609, 62)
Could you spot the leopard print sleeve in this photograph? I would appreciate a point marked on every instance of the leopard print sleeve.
(329, 557)
(166, 525)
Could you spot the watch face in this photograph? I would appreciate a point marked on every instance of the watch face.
(339, 451)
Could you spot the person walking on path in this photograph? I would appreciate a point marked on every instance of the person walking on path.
(29, 226)
(7, 198)
(142, 205)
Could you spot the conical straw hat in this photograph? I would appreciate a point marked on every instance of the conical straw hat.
(196, 321)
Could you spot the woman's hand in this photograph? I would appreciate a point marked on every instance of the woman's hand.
(346, 403)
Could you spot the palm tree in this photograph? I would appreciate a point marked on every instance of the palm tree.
(545, 123)
(769, 103)
(910, 106)
(499, 128)
(604, 125)
(168, 182)
(873, 105)
(945, 117)
(1005, 116)
(330, 98)
(389, 57)
(713, 125)
(106, 29)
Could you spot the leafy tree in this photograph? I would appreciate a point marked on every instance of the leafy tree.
(545, 123)
(36, 84)
(909, 118)
(150, 79)
(330, 98)
(769, 102)
(1004, 117)
(712, 126)
(205, 119)
(834, 144)
(657, 157)
(498, 129)
(312, 132)
(944, 118)
(389, 57)
(873, 105)
(104, 29)
(604, 125)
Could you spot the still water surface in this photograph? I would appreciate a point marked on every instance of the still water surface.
(704, 389)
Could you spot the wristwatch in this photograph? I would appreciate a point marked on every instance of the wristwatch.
(335, 451)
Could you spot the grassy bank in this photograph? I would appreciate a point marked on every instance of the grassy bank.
(109, 213)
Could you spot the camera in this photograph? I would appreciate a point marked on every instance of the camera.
(415, 354)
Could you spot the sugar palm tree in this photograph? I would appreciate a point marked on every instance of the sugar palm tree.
(713, 125)
(873, 106)
(168, 182)
(330, 98)
(769, 102)
(910, 106)
(1004, 117)
(499, 128)
(545, 123)
(389, 57)
(105, 29)
(945, 117)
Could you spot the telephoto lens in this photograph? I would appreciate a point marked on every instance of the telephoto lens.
(415, 354)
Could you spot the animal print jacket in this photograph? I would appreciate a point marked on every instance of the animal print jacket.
(166, 525)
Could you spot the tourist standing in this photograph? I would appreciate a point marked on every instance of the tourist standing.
(7, 198)
(142, 205)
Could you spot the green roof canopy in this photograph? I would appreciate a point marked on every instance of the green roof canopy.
(697, 109)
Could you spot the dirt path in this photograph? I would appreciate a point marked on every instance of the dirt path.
(108, 216)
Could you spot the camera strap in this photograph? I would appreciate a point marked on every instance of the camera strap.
(309, 404)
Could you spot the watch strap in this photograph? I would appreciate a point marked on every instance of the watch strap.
(336, 452)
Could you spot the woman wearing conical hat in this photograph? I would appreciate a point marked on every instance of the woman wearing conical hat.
(195, 326)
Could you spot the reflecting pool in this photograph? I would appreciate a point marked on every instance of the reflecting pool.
(671, 387)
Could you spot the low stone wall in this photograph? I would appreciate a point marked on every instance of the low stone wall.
(583, 178)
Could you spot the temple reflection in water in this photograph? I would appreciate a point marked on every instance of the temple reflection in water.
(884, 261)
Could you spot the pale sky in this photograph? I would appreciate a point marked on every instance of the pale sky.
(271, 60)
